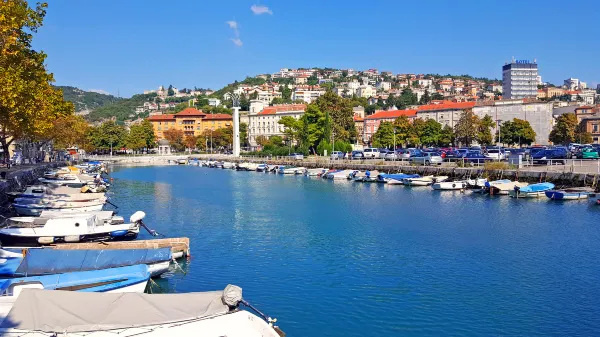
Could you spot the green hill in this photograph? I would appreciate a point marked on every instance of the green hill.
(86, 100)
(121, 109)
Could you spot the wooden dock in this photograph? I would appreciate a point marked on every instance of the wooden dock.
(179, 246)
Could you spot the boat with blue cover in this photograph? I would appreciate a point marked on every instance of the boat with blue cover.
(575, 193)
(37, 262)
(384, 178)
(531, 191)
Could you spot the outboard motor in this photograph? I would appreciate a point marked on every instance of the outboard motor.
(137, 218)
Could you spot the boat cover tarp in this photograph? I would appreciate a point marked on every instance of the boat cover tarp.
(54, 261)
(396, 176)
(70, 311)
(509, 186)
(541, 187)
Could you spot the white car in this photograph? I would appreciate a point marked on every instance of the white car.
(371, 152)
(496, 154)
(335, 155)
(427, 158)
(297, 156)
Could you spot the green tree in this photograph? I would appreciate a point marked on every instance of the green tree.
(437, 96)
(244, 103)
(170, 91)
(563, 131)
(112, 135)
(403, 130)
(136, 139)
(446, 136)
(426, 98)
(384, 136)
(466, 129)
(432, 131)
(244, 135)
(417, 132)
(484, 134)
(292, 128)
(517, 131)
(314, 124)
(276, 140)
(406, 98)
(29, 104)
(342, 117)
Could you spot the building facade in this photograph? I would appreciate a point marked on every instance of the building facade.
(519, 79)
(445, 113)
(538, 114)
(372, 122)
(266, 122)
(191, 121)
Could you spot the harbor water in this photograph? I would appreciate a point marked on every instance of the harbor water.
(337, 258)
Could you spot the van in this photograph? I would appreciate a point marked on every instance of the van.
(371, 152)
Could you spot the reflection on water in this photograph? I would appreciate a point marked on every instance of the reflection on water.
(358, 259)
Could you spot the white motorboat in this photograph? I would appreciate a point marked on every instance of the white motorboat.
(65, 179)
(423, 181)
(391, 181)
(228, 165)
(340, 175)
(449, 185)
(262, 168)
(34, 209)
(314, 172)
(251, 167)
(476, 183)
(107, 217)
(503, 188)
(80, 228)
(216, 313)
(287, 169)
(300, 170)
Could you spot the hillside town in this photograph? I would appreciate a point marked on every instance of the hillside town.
(379, 96)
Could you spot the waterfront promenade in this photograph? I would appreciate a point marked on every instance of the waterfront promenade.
(575, 172)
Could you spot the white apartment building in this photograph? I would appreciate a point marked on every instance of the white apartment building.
(266, 122)
(365, 91)
(425, 82)
(384, 85)
(214, 102)
(307, 94)
(519, 79)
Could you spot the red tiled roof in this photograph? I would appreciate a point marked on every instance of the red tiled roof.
(585, 107)
(218, 117)
(282, 108)
(358, 119)
(392, 114)
(160, 118)
(188, 112)
(447, 106)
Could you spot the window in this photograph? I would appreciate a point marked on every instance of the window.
(595, 127)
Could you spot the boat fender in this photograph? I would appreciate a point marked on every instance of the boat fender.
(46, 240)
(453, 185)
(119, 233)
(72, 238)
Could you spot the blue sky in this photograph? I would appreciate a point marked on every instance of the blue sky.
(133, 45)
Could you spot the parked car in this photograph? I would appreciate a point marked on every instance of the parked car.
(587, 153)
(476, 157)
(408, 153)
(371, 152)
(358, 155)
(384, 152)
(549, 156)
(393, 155)
(427, 158)
(337, 155)
(452, 155)
(297, 156)
(462, 152)
(496, 154)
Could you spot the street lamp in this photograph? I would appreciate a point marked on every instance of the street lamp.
(394, 157)
(499, 136)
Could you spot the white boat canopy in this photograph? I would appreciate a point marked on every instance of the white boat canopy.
(69, 311)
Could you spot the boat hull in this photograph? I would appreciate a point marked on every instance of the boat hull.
(34, 210)
(520, 194)
(34, 241)
(557, 195)
(449, 186)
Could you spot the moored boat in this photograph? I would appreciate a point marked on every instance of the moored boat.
(262, 168)
(575, 193)
(531, 191)
(505, 187)
(449, 185)
(216, 313)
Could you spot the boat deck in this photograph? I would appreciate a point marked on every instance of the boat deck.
(179, 246)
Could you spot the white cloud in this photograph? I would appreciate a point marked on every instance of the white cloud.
(260, 9)
(232, 24)
(237, 41)
(100, 91)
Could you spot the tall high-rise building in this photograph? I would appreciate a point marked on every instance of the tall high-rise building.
(519, 79)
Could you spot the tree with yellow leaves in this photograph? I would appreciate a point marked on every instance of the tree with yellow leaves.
(29, 104)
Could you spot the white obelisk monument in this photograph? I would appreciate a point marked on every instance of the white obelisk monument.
(236, 124)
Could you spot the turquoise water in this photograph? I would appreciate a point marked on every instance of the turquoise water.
(350, 259)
